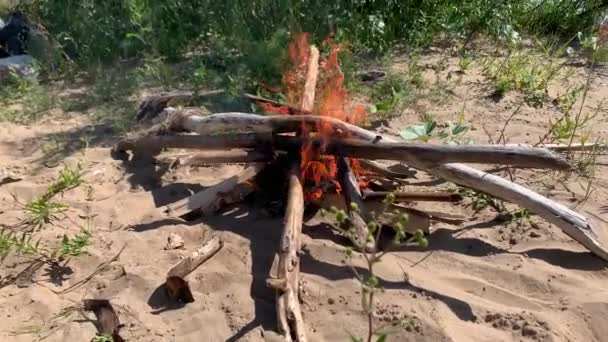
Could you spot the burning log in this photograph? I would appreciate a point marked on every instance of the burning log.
(523, 156)
(289, 314)
(410, 153)
(228, 191)
(572, 223)
(176, 285)
(352, 196)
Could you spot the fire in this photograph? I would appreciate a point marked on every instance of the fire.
(331, 100)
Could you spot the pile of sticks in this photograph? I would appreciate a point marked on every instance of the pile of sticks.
(258, 139)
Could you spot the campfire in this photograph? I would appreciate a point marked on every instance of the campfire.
(314, 144)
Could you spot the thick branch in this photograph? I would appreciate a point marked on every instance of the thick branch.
(410, 153)
(291, 322)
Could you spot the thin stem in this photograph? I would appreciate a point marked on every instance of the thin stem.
(580, 111)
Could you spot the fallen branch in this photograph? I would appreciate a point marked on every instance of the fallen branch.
(286, 283)
(176, 285)
(410, 153)
(228, 191)
(107, 323)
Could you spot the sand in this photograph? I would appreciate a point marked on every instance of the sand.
(483, 280)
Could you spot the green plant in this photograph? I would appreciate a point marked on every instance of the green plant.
(426, 131)
(480, 201)
(369, 283)
(103, 338)
(68, 178)
(75, 246)
(41, 211)
(390, 94)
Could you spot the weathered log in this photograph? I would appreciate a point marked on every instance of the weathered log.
(286, 283)
(176, 285)
(228, 191)
(352, 196)
(107, 323)
(409, 153)
(524, 156)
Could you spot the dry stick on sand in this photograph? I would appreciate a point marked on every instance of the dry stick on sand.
(289, 314)
(228, 191)
(572, 223)
(99, 269)
(176, 285)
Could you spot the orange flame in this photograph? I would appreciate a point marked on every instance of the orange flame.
(331, 101)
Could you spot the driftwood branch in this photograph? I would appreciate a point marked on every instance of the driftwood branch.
(228, 191)
(289, 314)
(176, 285)
(410, 153)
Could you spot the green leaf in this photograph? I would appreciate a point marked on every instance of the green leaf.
(415, 132)
(373, 109)
(381, 338)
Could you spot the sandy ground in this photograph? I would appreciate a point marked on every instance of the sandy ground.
(483, 280)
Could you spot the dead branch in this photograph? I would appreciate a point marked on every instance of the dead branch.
(107, 323)
(228, 191)
(289, 314)
(410, 153)
(188, 120)
(176, 285)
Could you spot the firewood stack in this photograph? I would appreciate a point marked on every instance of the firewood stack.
(315, 134)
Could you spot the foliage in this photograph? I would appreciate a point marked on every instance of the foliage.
(428, 130)
(369, 282)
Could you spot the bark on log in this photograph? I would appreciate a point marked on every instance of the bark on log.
(176, 285)
(286, 283)
(228, 191)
